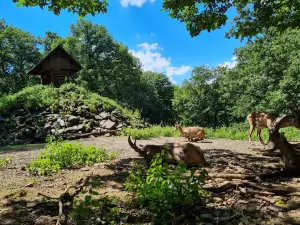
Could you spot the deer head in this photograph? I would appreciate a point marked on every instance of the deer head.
(274, 136)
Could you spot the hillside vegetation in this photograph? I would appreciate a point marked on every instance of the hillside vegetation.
(39, 110)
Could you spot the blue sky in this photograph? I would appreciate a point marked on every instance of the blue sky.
(162, 43)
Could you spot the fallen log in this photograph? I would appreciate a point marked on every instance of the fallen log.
(94, 133)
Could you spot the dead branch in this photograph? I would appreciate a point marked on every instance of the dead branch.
(279, 190)
(66, 197)
(94, 133)
(231, 176)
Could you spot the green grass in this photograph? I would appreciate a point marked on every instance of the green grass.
(65, 155)
(152, 132)
(234, 132)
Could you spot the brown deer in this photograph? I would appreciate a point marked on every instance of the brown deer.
(176, 152)
(262, 119)
(289, 152)
(191, 133)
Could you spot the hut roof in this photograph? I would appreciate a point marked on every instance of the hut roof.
(56, 60)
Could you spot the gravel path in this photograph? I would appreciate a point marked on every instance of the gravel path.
(225, 156)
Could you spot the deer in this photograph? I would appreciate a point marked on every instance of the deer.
(263, 119)
(187, 153)
(191, 133)
(289, 152)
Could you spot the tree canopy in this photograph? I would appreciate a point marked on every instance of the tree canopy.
(81, 7)
(253, 16)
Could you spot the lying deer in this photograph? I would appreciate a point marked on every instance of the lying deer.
(191, 133)
(262, 119)
(289, 152)
(176, 152)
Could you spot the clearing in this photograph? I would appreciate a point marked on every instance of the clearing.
(19, 202)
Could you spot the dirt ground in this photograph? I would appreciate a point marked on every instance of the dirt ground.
(20, 203)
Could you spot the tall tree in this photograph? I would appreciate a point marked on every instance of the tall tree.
(157, 93)
(109, 68)
(198, 100)
(18, 52)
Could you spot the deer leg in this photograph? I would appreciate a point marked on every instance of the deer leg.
(259, 135)
(250, 133)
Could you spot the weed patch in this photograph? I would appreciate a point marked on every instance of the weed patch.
(5, 161)
(164, 191)
(64, 155)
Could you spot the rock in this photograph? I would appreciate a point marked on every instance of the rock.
(29, 185)
(205, 216)
(71, 129)
(73, 120)
(216, 199)
(104, 115)
(47, 127)
(61, 122)
(97, 117)
(108, 124)
(62, 131)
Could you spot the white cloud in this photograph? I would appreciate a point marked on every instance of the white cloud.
(153, 60)
(229, 64)
(138, 3)
(137, 35)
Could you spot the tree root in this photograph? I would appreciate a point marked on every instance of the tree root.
(66, 197)
(279, 190)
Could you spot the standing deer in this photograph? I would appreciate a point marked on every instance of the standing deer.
(191, 133)
(262, 119)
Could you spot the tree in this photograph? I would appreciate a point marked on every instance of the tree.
(108, 67)
(50, 41)
(18, 52)
(157, 93)
(266, 76)
(253, 16)
(198, 100)
(81, 7)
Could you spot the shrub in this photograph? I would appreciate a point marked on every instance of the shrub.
(164, 192)
(64, 155)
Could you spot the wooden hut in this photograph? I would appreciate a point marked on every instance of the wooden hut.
(55, 67)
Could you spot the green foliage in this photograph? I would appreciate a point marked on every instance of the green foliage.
(157, 94)
(41, 97)
(5, 161)
(253, 16)
(151, 132)
(64, 155)
(81, 7)
(199, 101)
(237, 131)
(165, 192)
(85, 210)
(18, 52)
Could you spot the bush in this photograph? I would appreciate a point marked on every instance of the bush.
(164, 192)
(64, 155)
